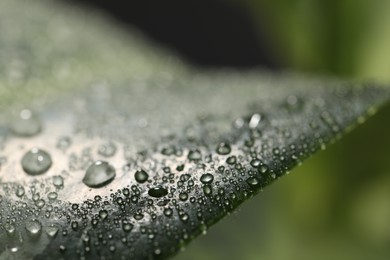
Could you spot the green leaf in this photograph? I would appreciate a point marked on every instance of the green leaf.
(110, 147)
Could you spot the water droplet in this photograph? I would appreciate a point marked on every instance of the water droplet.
(184, 217)
(158, 192)
(10, 229)
(207, 178)
(58, 181)
(52, 195)
(207, 190)
(223, 149)
(103, 214)
(183, 196)
(127, 227)
(107, 150)
(52, 231)
(253, 182)
(19, 191)
(141, 176)
(194, 155)
(263, 168)
(36, 162)
(34, 227)
(99, 174)
(64, 143)
(168, 212)
(26, 124)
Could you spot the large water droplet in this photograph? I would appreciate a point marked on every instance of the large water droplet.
(158, 192)
(36, 162)
(141, 176)
(26, 124)
(34, 227)
(99, 174)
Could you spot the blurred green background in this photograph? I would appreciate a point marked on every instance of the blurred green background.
(337, 204)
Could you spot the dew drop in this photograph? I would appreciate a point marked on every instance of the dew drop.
(26, 124)
(34, 227)
(107, 150)
(184, 217)
(127, 227)
(158, 192)
(52, 231)
(99, 174)
(168, 212)
(19, 191)
(63, 143)
(253, 182)
(36, 162)
(207, 190)
(58, 181)
(103, 214)
(183, 196)
(141, 176)
(224, 149)
(194, 155)
(263, 168)
(207, 178)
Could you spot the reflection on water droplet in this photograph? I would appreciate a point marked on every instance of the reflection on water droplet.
(254, 121)
(99, 174)
(26, 124)
(141, 176)
(158, 192)
(36, 162)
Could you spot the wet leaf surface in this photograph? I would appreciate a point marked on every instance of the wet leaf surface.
(130, 152)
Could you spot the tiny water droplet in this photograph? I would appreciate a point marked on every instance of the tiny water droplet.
(19, 191)
(58, 181)
(158, 192)
(183, 196)
(34, 227)
(26, 124)
(52, 231)
(141, 176)
(207, 178)
(107, 150)
(224, 149)
(168, 212)
(253, 182)
(36, 162)
(103, 214)
(194, 155)
(127, 227)
(99, 174)
(207, 190)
